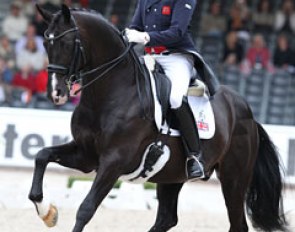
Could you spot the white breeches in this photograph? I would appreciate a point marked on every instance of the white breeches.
(179, 69)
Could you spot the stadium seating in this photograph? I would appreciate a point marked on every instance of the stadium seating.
(280, 110)
(254, 91)
(231, 77)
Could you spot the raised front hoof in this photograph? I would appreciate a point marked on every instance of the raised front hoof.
(51, 218)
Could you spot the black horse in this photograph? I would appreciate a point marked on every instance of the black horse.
(110, 132)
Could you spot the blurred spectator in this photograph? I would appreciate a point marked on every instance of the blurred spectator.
(237, 21)
(285, 18)
(41, 79)
(24, 79)
(7, 52)
(258, 55)
(29, 58)
(72, 3)
(69, 3)
(263, 18)
(27, 82)
(244, 7)
(15, 23)
(28, 8)
(115, 20)
(5, 82)
(30, 35)
(233, 51)
(284, 56)
(213, 23)
(84, 3)
(24, 84)
(5, 72)
(39, 24)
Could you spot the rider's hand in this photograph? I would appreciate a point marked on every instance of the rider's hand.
(137, 36)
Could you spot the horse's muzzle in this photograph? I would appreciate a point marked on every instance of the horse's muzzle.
(58, 99)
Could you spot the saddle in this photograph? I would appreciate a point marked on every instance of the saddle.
(163, 85)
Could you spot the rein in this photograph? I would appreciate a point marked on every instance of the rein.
(109, 66)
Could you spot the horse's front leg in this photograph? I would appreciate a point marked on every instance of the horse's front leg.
(107, 174)
(67, 155)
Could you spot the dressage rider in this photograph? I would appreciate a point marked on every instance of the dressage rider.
(163, 27)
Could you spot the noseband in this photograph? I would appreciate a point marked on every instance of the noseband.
(74, 73)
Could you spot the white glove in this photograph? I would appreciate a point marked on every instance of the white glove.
(137, 36)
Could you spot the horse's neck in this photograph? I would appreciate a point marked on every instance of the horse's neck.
(117, 88)
(115, 91)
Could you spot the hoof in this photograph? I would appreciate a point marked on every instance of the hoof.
(50, 219)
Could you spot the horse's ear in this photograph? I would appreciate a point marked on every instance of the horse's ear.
(47, 16)
(66, 13)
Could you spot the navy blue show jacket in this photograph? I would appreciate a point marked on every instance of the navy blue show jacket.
(167, 22)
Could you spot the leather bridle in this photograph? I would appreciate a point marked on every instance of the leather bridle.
(75, 72)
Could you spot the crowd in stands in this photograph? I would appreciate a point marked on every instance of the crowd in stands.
(257, 34)
(23, 59)
(246, 33)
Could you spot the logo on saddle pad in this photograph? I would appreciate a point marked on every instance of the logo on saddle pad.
(201, 122)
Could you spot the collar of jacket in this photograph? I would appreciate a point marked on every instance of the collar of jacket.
(151, 2)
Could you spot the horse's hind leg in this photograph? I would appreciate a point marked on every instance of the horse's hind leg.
(67, 155)
(234, 200)
(235, 173)
(167, 210)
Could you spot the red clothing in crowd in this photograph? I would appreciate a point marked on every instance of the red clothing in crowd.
(35, 83)
(261, 56)
(84, 3)
(41, 81)
(24, 81)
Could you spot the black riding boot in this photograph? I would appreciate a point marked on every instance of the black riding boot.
(191, 140)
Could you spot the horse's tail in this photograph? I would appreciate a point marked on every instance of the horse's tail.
(264, 197)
